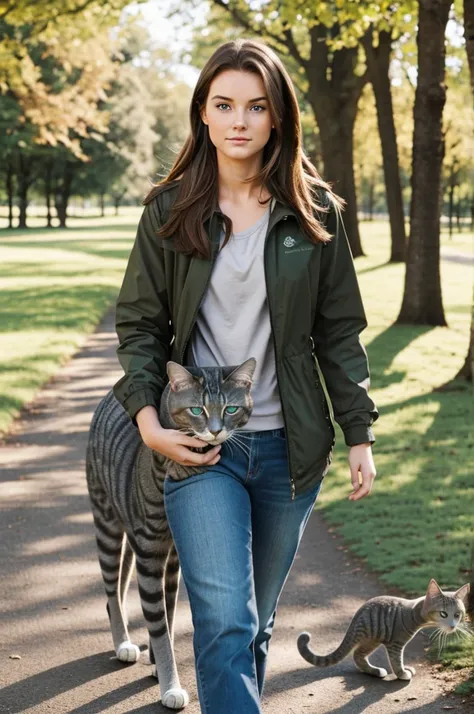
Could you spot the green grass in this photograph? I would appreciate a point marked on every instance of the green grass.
(55, 285)
(417, 522)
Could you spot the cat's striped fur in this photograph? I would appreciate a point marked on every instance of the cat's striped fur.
(393, 622)
(125, 480)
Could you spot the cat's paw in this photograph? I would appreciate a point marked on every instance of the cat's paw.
(379, 672)
(128, 652)
(405, 674)
(175, 698)
(411, 669)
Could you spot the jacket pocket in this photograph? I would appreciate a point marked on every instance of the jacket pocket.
(316, 376)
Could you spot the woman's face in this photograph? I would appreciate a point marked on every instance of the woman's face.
(236, 107)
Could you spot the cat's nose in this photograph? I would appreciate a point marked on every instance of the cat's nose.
(215, 433)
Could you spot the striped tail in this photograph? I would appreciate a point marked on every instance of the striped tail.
(346, 646)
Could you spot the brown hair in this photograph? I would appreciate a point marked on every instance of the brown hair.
(286, 172)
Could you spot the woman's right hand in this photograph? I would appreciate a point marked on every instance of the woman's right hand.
(174, 445)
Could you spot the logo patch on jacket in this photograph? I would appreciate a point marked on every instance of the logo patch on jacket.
(289, 242)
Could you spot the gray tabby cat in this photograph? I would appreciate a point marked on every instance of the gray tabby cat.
(393, 622)
(125, 480)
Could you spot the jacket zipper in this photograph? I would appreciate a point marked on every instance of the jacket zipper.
(292, 483)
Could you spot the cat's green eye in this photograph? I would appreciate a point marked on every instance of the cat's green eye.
(231, 410)
(196, 411)
(443, 613)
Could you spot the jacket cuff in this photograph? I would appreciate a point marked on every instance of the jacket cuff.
(138, 400)
(360, 434)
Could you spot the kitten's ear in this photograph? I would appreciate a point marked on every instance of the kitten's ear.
(433, 589)
(243, 375)
(432, 592)
(463, 593)
(179, 376)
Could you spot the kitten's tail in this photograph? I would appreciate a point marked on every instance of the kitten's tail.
(346, 646)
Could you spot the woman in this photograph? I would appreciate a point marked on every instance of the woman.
(240, 253)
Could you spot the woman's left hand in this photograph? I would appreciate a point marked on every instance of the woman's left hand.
(361, 461)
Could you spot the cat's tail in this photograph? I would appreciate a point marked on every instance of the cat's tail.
(347, 645)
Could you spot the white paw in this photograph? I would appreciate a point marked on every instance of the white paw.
(127, 652)
(411, 669)
(175, 698)
(154, 671)
(381, 672)
(406, 674)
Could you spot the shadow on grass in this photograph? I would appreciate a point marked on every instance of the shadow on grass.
(58, 307)
(385, 347)
(420, 510)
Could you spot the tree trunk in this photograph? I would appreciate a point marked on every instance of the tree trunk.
(63, 194)
(467, 371)
(378, 63)
(9, 190)
(452, 186)
(335, 111)
(422, 302)
(48, 191)
(102, 205)
(24, 182)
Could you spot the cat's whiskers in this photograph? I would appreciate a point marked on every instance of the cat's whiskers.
(244, 447)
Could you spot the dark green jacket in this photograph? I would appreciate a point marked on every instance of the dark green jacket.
(314, 300)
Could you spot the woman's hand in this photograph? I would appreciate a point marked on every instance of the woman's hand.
(173, 443)
(361, 462)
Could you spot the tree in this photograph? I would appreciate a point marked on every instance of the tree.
(467, 370)
(422, 302)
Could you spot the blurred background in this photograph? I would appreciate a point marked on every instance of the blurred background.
(94, 100)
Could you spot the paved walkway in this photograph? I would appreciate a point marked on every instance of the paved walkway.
(52, 605)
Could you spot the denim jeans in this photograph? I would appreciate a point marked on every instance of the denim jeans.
(236, 531)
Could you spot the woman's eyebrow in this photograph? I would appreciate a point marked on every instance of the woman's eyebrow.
(229, 99)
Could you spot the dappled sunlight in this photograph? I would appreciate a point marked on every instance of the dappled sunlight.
(53, 545)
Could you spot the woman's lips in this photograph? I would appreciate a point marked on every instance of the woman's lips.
(239, 141)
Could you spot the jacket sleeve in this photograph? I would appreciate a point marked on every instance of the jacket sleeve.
(142, 320)
(340, 317)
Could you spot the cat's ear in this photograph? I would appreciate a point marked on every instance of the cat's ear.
(433, 591)
(463, 593)
(243, 375)
(179, 376)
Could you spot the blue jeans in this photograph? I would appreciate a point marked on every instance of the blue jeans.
(236, 531)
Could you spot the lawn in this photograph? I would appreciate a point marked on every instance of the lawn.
(417, 523)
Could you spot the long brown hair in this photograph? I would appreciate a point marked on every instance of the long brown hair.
(286, 172)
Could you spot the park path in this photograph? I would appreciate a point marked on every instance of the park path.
(52, 605)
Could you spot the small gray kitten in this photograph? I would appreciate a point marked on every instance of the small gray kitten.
(393, 622)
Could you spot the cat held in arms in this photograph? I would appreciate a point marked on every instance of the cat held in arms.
(393, 622)
(125, 481)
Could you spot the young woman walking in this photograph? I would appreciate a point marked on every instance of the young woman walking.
(241, 252)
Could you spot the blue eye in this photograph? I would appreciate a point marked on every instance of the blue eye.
(196, 411)
(231, 410)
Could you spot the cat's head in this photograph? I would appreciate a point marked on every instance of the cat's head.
(210, 402)
(445, 609)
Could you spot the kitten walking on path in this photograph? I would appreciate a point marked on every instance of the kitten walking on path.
(393, 622)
